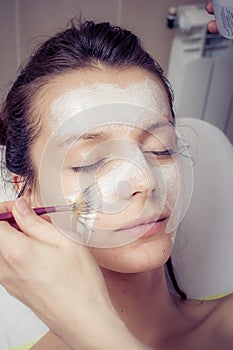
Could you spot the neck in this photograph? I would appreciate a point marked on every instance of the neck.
(144, 304)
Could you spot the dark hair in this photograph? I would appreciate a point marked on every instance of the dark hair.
(83, 45)
(80, 46)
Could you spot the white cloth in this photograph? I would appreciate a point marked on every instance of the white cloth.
(203, 251)
(18, 324)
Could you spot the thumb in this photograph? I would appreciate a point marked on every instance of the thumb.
(33, 225)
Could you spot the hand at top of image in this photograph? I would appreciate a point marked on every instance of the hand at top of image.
(212, 25)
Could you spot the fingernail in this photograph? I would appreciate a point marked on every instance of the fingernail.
(22, 206)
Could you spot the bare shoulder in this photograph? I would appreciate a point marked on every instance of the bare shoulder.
(218, 315)
(198, 310)
(224, 316)
(212, 323)
(220, 323)
(226, 301)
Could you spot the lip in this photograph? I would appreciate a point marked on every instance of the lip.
(143, 221)
(155, 228)
(144, 227)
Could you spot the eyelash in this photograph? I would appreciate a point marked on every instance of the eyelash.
(88, 168)
(167, 152)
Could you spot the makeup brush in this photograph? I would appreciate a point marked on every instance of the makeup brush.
(80, 207)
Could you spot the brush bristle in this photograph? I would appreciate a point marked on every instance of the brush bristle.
(82, 203)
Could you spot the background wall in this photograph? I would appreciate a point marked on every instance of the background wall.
(24, 23)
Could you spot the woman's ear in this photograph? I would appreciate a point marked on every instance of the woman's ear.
(18, 182)
(29, 192)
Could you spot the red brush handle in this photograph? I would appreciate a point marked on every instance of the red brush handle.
(39, 211)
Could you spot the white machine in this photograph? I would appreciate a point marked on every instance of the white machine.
(201, 69)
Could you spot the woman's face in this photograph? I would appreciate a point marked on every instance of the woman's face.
(119, 150)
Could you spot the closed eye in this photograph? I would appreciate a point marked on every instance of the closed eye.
(167, 152)
(89, 167)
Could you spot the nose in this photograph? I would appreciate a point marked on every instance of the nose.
(138, 179)
(129, 177)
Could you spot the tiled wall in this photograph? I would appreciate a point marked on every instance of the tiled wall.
(24, 23)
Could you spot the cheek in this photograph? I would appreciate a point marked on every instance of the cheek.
(171, 176)
(174, 201)
(70, 186)
(36, 154)
(106, 185)
(119, 183)
(36, 198)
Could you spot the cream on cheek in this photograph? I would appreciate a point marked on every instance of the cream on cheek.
(170, 174)
(164, 180)
(123, 176)
(121, 179)
(115, 185)
(107, 185)
(172, 178)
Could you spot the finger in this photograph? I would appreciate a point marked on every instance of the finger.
(33, 225)
(209, 8)
(27, 196)
(6, 206)
(10, 240)
(16, 252)
(46, 217)
(212, 27)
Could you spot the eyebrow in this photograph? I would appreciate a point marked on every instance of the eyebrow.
(160, 124)
(97, 136)
(101, 136)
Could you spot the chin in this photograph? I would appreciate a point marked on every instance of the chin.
(144, 254)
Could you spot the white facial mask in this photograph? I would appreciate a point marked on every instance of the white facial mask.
(126, 174)
(172, 177)
(147, 94)
(129, 167)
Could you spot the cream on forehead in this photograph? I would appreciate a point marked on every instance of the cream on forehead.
(147, 94)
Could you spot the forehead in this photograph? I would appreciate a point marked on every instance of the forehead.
(68, 96)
